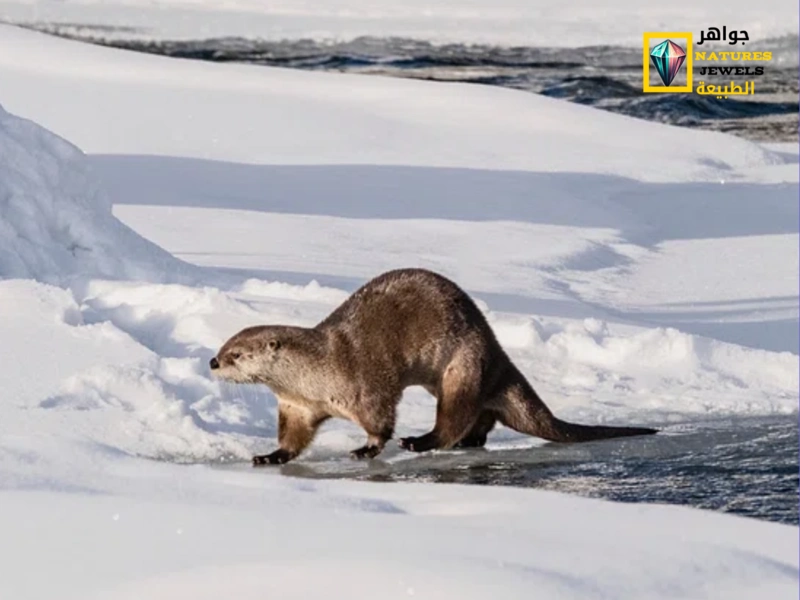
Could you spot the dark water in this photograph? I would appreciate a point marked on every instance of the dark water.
(605, 77)
(746, 466)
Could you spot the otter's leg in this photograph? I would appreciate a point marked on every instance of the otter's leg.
(296, 429)
(476, 438)
(377, 418)
(457, 411)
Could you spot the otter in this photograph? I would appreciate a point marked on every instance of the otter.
(405, 327)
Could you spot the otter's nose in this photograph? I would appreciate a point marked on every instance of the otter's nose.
(213, 363)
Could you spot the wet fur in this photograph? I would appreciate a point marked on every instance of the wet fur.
(405, 327)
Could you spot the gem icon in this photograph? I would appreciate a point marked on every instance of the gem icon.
(668, 58)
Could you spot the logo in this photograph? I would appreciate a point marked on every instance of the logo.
(735, 61)
(668, 52)
(667, 60)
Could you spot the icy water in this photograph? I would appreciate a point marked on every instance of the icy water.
(605, 77)
(745, 466)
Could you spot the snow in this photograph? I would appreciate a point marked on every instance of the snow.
(245, 114)
(352, 541)
(213, 197)
(502, 22)
(57, 223)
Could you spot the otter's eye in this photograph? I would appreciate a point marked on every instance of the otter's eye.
(235, 355)
(274, 344)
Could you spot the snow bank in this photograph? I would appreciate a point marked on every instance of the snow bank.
(57, 222)
(259, 115)
(313, 291)
(654, 373)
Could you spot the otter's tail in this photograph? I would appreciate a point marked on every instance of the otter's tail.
(523, 410)
(562, 431)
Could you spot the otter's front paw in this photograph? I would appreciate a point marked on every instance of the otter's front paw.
(276, 458)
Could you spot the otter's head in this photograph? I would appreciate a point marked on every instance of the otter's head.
(250, 356)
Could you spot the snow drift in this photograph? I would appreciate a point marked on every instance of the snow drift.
(56, 220)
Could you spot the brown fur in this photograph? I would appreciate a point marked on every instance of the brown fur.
(403, 328)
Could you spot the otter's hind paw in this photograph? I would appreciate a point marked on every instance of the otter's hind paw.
(365, 452)
(423, 443)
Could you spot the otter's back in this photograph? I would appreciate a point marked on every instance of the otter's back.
(409, 302)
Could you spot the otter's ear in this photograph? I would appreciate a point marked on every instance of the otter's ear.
(274, 344)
